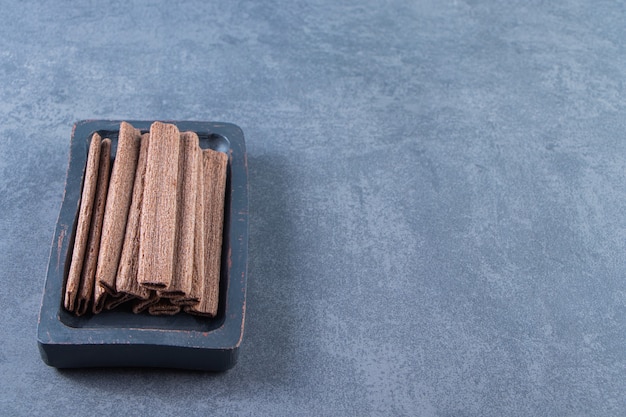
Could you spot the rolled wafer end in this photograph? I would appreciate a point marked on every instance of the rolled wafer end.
(163, 307)
(99, 298)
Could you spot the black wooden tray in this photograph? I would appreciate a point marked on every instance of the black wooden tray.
(120, 338)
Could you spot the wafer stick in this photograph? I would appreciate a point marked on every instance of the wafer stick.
(126, 281)
(117, 206)
(163, 307)
(185, 233)
(198, 248)
(85, 293)
(158, 218)
(84, 221)
(214, 165)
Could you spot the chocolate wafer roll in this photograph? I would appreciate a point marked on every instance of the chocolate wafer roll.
(214, 165)
(158, 213)
(186, 218)
(126, 282)
(84, 222)
(85, 293)
(197, 285)
(117, 206)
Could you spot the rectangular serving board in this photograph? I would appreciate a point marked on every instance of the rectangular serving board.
(119, 338)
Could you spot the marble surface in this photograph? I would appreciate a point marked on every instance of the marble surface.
(437, 211)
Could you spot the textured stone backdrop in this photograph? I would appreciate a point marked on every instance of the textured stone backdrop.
(438, 198)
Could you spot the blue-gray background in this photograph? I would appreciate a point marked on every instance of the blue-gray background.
(437, 211)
